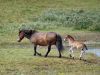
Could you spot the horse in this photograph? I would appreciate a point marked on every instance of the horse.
(42, 39)
(75, 44)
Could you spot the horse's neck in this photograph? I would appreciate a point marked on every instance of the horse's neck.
(28, 36)
(70, 41)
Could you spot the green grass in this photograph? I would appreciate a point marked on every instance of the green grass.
(15, 13)
(12, 10)
(19, 11)
(21, 61)
(46, 15)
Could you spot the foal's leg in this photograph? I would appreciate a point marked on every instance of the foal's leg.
(82, 53)
(49, 48)
(35, 52)
(71, 52)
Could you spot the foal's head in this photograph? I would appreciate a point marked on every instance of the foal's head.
(25, 33)
(68, 37)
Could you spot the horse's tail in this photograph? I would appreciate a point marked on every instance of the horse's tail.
(59, 44)
(85, 47)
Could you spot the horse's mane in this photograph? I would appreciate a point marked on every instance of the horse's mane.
(28, 30)
(70, 37)
(33, 31)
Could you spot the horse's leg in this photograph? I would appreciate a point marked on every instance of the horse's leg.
(59, 53)
(71, 52)
(35, 46)
(82, 53)
(35, 52)
(49, 48)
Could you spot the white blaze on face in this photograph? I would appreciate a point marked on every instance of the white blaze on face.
(64, 39)
(17, 39)
(21, 36)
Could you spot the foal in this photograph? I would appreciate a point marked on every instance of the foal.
(75, 44)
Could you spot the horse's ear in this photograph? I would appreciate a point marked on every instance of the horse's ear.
(30, 31)
(19, 29)
(33, 30)
(68, 35)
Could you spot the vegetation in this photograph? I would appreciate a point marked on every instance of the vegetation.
(18, 61)
(79, 18)
(81, 15)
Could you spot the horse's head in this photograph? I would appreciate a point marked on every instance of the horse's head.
(68, 37)
(65, 38)
(25, 33)
(21, 35)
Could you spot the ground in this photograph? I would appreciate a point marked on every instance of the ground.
(20, 61)
(17, 58)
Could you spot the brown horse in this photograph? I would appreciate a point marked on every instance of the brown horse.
(42, 39)
(75, 44)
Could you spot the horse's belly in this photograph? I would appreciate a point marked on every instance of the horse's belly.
(42, 43)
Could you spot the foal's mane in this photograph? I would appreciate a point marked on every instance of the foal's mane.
(70, 37)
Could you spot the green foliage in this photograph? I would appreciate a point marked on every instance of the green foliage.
(17, 12)
(77, 19)
(95, 27)
(57, 15)
(20, 61)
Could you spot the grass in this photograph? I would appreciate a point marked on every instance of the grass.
(21, 61)
(24, 11)
(46, 15)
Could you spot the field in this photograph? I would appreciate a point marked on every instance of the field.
(80, 18)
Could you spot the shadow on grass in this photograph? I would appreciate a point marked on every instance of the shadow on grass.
(87, 61)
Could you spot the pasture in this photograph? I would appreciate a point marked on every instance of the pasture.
(79, 18)
(19, 60)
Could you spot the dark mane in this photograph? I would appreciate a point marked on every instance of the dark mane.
(70, 37)
(27, 33)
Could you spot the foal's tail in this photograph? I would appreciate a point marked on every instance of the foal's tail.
(59, 44)
(85, 47)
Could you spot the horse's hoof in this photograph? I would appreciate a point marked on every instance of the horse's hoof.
(84, 59)
(73, 58)
(45, 56)
(34, 54)
(80, 58)
(70, 55)
(40, 54)
(59, 56)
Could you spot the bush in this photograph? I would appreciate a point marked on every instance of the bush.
(95, 27)
(78, 19)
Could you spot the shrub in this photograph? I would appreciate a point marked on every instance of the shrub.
(78, 19)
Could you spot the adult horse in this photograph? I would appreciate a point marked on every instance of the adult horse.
(42, 39)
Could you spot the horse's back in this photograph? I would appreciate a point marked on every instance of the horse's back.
(78, 44)
(42, 38)
(51, 37)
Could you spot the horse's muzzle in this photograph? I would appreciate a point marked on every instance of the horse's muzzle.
(64, 39)
(18, 40)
